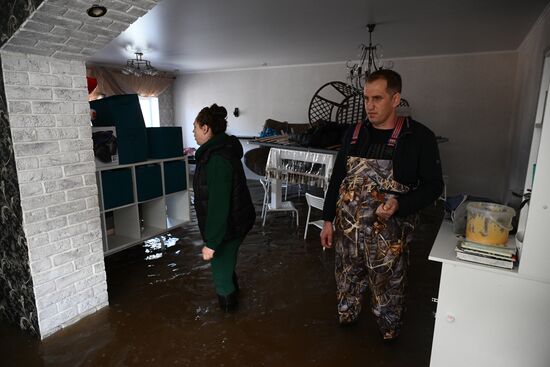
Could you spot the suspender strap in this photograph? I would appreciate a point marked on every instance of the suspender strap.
(356, 132)
(397, 129)
(393, 139)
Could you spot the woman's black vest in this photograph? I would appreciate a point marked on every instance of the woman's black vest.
(242, 213)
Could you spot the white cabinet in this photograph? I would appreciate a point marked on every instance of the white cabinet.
(487, 316)
(534, 224)
(142, 200)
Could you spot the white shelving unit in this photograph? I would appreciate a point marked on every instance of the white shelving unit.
(136, 221)
(487, 316)
(177, 209)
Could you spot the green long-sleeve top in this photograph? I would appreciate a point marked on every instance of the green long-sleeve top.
(219, 178)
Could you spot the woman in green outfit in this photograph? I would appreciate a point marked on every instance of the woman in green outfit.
(225, 212)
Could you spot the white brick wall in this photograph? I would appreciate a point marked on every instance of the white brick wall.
(61, 29)
(47, 101)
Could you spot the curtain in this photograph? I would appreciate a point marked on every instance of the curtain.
(112, 82)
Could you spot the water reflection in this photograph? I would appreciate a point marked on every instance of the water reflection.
(163, 309)
(156, 246)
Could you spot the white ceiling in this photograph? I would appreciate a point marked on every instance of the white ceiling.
(198, 35)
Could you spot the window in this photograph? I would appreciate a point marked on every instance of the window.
(150, 110)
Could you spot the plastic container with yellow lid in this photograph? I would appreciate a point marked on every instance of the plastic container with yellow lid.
(488, 223)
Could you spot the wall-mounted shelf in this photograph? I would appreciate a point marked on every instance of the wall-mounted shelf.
(142, 200)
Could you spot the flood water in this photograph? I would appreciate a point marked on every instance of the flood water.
(163, 308)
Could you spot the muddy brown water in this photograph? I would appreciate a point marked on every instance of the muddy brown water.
(163, 309)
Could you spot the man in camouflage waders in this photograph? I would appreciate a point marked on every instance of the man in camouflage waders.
(386, 171)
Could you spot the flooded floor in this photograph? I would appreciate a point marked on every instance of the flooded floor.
(163, 308)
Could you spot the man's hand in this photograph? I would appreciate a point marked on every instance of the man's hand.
(207, 253)
(386, 210)
(326, 234)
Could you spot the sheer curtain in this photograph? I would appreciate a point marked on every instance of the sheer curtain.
(112, 82)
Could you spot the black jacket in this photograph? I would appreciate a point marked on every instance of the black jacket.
(416, 163)
(242, 213)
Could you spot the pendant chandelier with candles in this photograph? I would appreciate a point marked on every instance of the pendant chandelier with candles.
(371, 55)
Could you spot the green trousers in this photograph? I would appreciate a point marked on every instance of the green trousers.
(223, 266)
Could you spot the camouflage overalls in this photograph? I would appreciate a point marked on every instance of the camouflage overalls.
(369, 250)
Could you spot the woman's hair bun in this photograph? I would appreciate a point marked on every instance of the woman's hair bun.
(218, 111)
(213, 116)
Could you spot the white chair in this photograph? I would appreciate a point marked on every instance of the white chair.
(267, 187)
(317, 203)
(286, 206)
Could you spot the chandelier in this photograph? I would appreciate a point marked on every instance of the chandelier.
(139, 66)
(358, 73)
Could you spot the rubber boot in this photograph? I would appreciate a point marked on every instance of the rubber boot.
(228, 303)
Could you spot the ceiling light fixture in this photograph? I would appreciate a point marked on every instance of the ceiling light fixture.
(96, 11)
(371, 54)
(139, 66)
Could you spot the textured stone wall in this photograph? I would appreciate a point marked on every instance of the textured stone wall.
(51, 132)
(47, 104)
(17, 302)
(13, 14)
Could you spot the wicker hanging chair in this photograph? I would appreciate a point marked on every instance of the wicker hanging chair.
(342, 103)
(336, 101)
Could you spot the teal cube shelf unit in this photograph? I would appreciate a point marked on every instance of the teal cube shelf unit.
(175, 176)
(148, 181)
(118, 188)
(140, 201)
